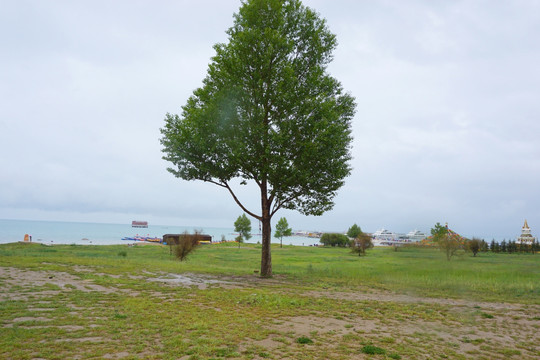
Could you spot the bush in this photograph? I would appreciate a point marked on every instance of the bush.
(333, 239)
(186, 244)
(474, 245)
(361, 244)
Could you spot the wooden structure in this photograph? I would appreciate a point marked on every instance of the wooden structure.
(174, 239)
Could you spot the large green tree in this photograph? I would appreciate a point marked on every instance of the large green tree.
(268, 112)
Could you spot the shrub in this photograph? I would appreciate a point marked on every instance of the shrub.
(186, 244)
(474, 245)
(361, 244)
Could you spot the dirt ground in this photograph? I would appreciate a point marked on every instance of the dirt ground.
(507, 325)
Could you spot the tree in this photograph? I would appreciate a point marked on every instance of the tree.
(282, 229)
(485, 246)
(269, 113)
(354, 231)
(438, 231)
(361, 243)
(333, 239)
(449, 242)
(474, 245)
(242, 226)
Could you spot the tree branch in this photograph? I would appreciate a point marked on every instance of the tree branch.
(226, 185)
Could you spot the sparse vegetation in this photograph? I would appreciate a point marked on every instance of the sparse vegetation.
(89, 302)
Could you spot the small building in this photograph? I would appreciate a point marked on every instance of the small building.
(526, 237)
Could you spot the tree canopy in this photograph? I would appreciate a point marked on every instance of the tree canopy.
(438, 232)
(354, 231)
(242, 226)
(268, 112)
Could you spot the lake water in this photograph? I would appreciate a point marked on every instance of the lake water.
(56, 232)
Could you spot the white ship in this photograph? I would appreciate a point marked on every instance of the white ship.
(416, 235)
(385, 237)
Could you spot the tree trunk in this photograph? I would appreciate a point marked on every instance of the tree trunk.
(266, 260)
(266, 256)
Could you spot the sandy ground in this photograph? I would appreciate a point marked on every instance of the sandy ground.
(509, 325)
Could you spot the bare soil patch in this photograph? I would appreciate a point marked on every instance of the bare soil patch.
(411, 299)
(480, 328)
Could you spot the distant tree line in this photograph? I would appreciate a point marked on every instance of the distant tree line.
(356, 239)
(476, 245)
(511, 247)
(334, 239)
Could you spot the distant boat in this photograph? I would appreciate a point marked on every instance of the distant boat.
(139, 224)
(416, 235)
(387, 237)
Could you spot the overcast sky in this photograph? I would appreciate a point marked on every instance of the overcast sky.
(446, 130)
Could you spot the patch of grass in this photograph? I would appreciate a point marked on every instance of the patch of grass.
(487, 316)
(304, 340)
(119, 316)
(373, 350)
(510, 352)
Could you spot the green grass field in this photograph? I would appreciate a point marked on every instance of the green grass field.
(62, 302)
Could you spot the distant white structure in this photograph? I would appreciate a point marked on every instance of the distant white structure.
(386, 237)
(416, 235)
(526, 237)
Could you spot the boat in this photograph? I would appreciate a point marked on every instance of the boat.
(416, 235)
(139, 224)
(142, 238)
(386, 237)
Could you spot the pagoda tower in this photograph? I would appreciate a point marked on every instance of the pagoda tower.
(526, 238)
